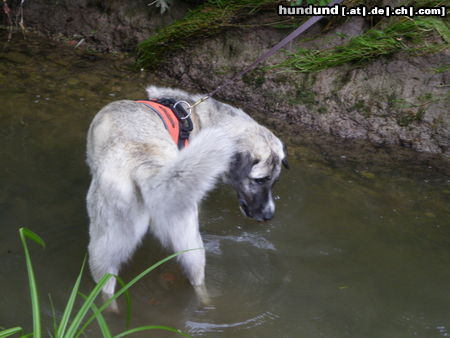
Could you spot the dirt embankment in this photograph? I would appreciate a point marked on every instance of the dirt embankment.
(394, 100)
(106, 25)
(398, 99)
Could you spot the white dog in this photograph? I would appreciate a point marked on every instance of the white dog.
(141, 181)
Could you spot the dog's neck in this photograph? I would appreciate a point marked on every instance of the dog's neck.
(215, 114)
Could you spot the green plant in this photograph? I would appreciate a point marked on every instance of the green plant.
(405, 34)
(73, 326)
(442, 69)
(214, 16)
(204, 21)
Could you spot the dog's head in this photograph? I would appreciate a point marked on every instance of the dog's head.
(253, 173)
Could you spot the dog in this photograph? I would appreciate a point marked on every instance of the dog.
(141, 182)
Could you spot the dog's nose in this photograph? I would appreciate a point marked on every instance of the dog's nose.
(268, 215)
(269, 210)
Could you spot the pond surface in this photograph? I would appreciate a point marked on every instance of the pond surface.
(352, 252)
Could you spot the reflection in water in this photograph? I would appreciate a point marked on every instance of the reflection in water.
(352, 252)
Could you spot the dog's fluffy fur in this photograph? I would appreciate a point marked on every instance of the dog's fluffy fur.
(141, 181)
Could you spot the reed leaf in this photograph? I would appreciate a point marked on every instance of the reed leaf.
(24, 234)
(76, 322)
(100, 319)
(10, 332)
(150, 327)
(70, 303)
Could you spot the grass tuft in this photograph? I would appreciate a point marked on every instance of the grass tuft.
(216, 15)
(24, 234)
(405, 34)
(203, 21)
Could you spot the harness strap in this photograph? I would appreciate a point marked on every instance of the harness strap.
(175, 120)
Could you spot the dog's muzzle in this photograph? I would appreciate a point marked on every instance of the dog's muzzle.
(263, 216)
(244, 208)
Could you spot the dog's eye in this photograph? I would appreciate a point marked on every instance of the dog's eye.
(262, 180)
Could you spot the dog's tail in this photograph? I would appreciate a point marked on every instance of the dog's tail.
(192, 173)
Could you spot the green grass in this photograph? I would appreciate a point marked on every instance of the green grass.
(73, 323)
(205, 20)
(401, 35)
(216, 15)
(442, 69)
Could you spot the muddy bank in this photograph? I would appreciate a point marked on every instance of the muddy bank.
(105, 25)
(395, 100)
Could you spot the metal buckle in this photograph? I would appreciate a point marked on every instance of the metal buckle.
(189, 108)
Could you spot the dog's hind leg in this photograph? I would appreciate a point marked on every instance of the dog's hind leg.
(116, 228)
(179, 232)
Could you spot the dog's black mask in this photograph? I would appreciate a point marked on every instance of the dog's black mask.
(255, 195)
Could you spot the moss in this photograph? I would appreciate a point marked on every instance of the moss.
(341, 80)
(308, 97)
(361, 107)
(407, 117)
(409, 112)
(426, 97)
(272, 99)
(367, 174)
(223, 70)
(302, 96)
(255, 78)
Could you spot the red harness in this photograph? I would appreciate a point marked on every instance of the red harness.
(172, 122)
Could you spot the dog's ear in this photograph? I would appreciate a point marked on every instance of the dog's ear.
(243, 160)
(241, 165)
(285, 161)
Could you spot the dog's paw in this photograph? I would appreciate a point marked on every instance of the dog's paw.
(203, 295)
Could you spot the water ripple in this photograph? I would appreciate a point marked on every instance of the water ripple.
(200, 328)
(212, 242)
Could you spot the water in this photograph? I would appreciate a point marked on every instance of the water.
(352, 251)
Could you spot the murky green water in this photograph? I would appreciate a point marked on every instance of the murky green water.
(350, 253)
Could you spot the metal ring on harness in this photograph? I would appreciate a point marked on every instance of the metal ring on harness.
(189, 107)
